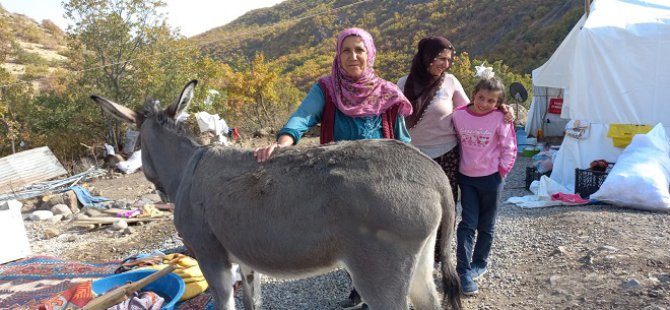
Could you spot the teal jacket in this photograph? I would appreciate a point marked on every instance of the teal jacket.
(309, 114)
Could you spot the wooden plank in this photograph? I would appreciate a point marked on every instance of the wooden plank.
(28, 167)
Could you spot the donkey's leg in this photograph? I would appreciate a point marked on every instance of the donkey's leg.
(251, 282)
(381, 274)
(217, 269)
(422, 290)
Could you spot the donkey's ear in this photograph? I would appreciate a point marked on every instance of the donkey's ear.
(118, 111)
(181, 105)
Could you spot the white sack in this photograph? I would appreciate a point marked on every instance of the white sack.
(641, 176)
(132, 164)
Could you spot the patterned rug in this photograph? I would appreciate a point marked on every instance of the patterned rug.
(27, 282)
(24, 283)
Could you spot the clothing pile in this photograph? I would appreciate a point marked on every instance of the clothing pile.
(187, 268)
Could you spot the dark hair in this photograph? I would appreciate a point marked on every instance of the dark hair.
(491, 84)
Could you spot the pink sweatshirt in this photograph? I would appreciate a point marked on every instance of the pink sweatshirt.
(487, 142)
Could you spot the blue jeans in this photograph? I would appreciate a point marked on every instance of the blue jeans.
(479, 198)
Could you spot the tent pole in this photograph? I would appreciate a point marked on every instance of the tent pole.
(587, 7)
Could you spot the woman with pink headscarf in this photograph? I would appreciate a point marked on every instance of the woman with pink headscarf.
(352, 103)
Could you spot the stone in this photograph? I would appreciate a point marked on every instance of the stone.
(29, 205)
(61, 209)
(50, 233)
(41, 215)
(92, 212)
(56, 218)
(71, 201)
(51, 201)
(631, 284)
(608, 248)
(119, 225)
(560, 250)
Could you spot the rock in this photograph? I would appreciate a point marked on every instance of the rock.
(151, 198)
(608, 248)
(50, 233)
(660, 277)
(653, 307)
(61, 209)
(121, 204)
(560, 250)
(71, 201)
(41, 215)
(553, 280)
(51, 201)
(119, 225)
(92, 212)
(631, 284)
(56, 218)
(128, 231)
(29, 205)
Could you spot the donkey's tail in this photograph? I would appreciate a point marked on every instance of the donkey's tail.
(450, 280)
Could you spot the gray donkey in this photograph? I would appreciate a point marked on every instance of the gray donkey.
(370, 206)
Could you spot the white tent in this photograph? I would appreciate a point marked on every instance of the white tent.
(613, 67)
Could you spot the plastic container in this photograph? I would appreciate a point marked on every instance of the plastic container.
(521, 136)
(529, 151)
(588, 181)
(622, 134)
(170, 286)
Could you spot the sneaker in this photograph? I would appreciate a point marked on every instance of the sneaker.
(353, 300)
(361, 306)
(477, 271)
(468, 285)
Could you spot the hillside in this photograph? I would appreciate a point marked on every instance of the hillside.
(29, 49)
(299, 33)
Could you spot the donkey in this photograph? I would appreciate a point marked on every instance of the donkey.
(373, 207)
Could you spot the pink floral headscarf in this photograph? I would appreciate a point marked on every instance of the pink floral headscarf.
(367, 95)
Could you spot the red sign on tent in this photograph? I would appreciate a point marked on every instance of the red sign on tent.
(555, 105)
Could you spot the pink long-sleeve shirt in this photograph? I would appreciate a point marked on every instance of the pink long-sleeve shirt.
(487, 142)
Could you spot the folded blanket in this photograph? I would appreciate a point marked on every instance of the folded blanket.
(85, 197)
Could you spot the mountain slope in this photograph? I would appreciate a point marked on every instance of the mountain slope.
(522, 33)
(29, 49)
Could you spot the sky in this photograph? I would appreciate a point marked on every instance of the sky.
(191, 16)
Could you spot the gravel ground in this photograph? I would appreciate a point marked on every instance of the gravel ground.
(587, 257)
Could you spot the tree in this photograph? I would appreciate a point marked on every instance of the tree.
(261, 94)
(108, 35)
(12, 95)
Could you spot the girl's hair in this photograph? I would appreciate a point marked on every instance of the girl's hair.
(491, 84)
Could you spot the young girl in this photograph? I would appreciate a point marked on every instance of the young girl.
(488, 151)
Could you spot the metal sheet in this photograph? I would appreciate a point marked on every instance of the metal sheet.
(27, 167)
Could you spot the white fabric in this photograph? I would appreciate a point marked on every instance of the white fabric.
(542, 191)
(131, 165)
(213, 122)
(641, 176)
(611, 63)
(109, 150)
(612, 68)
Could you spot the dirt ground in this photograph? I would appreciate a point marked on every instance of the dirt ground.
(587, 257)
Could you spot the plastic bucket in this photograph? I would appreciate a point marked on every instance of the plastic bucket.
(170, 286)
(521, 136)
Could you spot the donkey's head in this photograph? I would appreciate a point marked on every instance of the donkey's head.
(151, 115)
